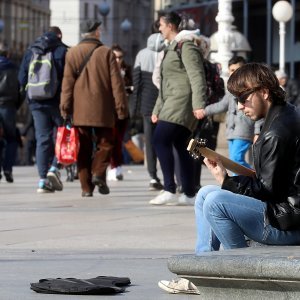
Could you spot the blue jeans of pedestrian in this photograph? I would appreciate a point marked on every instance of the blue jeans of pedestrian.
(46, 120)
(223, 217)
(237, 151)
(10, 145)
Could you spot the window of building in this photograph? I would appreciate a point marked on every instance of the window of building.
(86, 10)
(95, 12)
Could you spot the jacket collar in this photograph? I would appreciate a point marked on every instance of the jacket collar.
(273, 112)
(91, 41)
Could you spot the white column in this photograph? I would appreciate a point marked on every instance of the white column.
(281, 46)
(282, 12)
(224, 37)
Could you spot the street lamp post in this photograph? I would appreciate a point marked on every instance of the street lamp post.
(282, 12)
(224, 37)
(104, 10)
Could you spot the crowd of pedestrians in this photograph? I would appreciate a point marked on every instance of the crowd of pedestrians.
(165, 93)
(93, 89)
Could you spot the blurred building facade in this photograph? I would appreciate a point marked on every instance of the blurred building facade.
(21, 21)
(253, 18)
(125, 22)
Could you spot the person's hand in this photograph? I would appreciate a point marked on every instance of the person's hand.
(217, 169)
(255, 138)
(154, 118)
(199, 113)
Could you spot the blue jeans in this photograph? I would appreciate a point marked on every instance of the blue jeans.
(46, 121)
(10, 145)
(237, 151)
(225, 217)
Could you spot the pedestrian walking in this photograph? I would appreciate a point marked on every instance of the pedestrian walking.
(10, 102)
(93, 93)
(181, 96)
(116, 172)
(291, 87)
(144, 97)
(45, 58)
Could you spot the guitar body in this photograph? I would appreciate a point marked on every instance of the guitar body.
(197, 148)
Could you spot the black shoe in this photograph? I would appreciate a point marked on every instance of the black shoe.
(9, 177)
(102, 186)
(69, 179)
(155, 185)
(197, 188)
(87, 194)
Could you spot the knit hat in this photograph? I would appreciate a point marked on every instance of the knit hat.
(89, 26)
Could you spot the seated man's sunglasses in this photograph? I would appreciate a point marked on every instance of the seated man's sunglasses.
(243, 97)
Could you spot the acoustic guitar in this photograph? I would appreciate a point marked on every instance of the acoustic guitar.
(197, 148)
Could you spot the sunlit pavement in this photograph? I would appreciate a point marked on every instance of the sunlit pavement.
(65, 235)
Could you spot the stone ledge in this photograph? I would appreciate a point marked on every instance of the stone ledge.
(252, 273)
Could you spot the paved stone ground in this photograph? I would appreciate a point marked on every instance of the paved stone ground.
(65, 235)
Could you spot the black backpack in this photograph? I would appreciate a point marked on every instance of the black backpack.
(101, 285)
(215, 90)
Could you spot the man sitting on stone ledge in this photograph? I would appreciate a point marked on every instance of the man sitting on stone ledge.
(265, 208)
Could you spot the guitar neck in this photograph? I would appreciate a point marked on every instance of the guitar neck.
(227, 163)
(198, 147)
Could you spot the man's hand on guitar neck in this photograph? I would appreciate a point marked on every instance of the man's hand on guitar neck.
(216, 169)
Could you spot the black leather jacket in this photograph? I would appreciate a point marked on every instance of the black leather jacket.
(276, 156)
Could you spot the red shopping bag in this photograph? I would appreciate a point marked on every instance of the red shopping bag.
(67, 145)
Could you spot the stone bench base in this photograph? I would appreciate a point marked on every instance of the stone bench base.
(249, 273)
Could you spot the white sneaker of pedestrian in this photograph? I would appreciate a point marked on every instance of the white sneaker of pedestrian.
(112, 175)
(164, 197)
(178, 285)
(184, 200)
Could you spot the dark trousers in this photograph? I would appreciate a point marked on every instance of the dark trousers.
(151, 156)
(10, 146)
(94, 155)
(118, 135)
(167, 135)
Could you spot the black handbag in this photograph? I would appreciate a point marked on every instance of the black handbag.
(285, 215)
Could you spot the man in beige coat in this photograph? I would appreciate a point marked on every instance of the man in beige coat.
(94, 98)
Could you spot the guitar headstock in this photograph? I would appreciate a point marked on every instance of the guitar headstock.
(194, 147)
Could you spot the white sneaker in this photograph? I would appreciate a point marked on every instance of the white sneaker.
(184, 200)
(112, 175)
(164, 197)
(179, 285)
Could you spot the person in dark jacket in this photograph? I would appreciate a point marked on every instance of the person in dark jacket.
(144, 97)
(46, 113)
(10, 101)
(245, 206)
